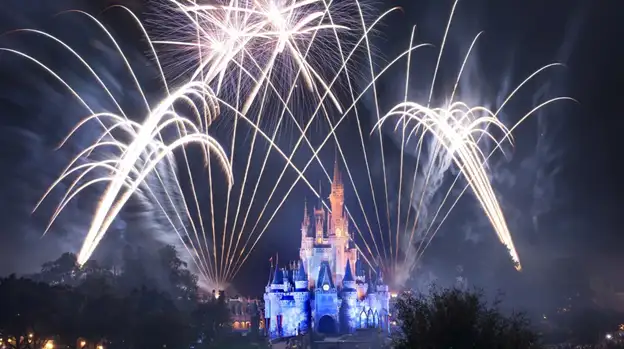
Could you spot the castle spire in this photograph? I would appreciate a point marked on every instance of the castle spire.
(348, 274)
(306, 217)
(337, 177)
(320, 197)
(319, 220)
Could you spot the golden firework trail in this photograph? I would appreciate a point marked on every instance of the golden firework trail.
(255, 36)
(263, 28)
(135, 160)
(139, 157)
(456, 131)
(247, 58)
(140, 150)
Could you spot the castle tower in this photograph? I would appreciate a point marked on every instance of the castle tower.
(336, 199)
(352, 254)
(337, 222)
(383, 299)
(307, 241)
(301, 296)
(319, 220)
(305, 224)
(348, 307)
(274, 307)
(325, 301)
(301, 279)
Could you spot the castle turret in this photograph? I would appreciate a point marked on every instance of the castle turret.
(380, 284)
(277, 285)
(305, 224)
(336, 199)
(348, 282)
(307, 241)
(360, 275)
(301, 279)
(325, 281)
(273, 308)
(301, 296)
(348, 306)
(383, 301)
(319, 221)
(326, 297)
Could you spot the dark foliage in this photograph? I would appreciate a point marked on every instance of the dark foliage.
(580, 326)
(70, 304)
(457, 319)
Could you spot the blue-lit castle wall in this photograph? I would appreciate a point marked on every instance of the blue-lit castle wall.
(327, 290)
(328, 308)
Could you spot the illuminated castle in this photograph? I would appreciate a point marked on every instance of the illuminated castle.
(327, 290)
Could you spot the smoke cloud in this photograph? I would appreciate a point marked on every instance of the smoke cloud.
(37, 112)
(524, 179)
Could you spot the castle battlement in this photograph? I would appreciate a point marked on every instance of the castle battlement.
(328, 290)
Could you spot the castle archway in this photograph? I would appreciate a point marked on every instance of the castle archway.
(327, 325)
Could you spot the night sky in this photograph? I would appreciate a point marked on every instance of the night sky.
(559, 188)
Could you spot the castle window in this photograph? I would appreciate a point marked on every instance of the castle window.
(363, 319)
(237, 325)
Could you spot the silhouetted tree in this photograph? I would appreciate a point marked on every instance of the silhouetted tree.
(28, 311)
(153, 321)
(152, 303)
(60, 271)
(211, 320)
(183, 282)
(254, 319)
(452, 318)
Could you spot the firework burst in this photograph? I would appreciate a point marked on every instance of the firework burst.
(459, 134)
(141, 149)
(247, 59)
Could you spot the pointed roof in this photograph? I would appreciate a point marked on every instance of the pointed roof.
(320, 197)
(278, 277)
(359, 270)
(371, 288)
(306, 216)
(379, 276)
(337, 177)
(348, 276)
(325, 276)
(301, 274)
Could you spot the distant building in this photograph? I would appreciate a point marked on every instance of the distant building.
(327, 291)
(246, 314)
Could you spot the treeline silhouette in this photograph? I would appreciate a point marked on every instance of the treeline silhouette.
(94, 307)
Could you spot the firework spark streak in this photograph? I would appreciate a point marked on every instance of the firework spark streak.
(457, 132)
(248, 30)
(222, 35)
(242, 58)
(140, 157)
